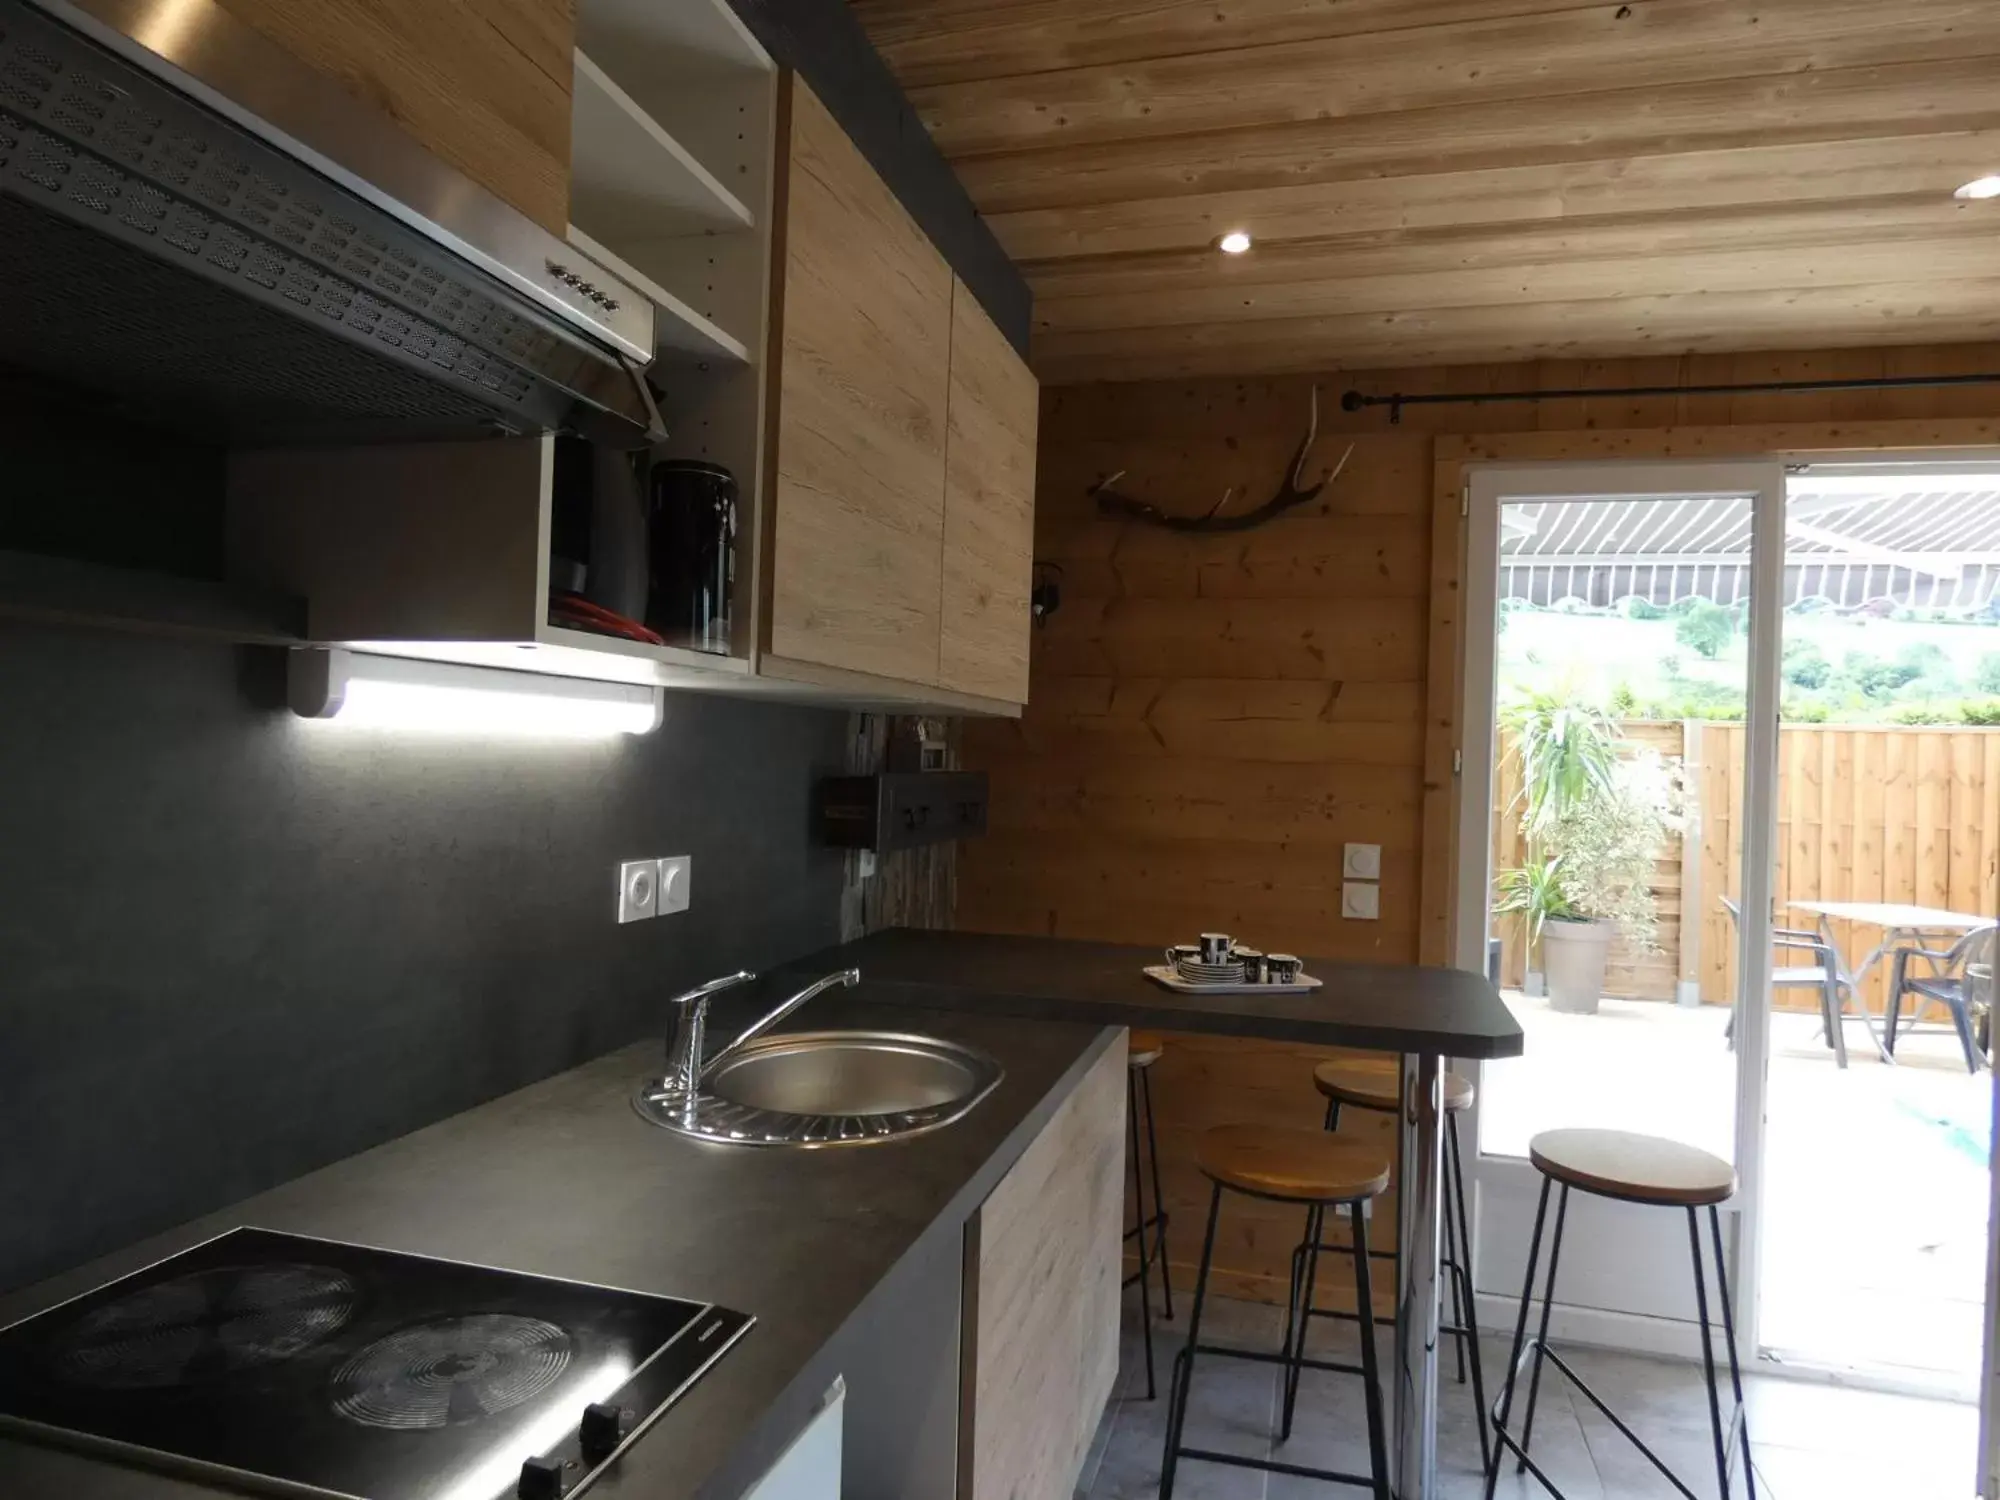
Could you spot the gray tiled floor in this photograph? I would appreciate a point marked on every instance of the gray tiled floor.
(1812, 1441)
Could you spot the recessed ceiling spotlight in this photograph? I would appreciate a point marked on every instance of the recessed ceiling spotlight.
(1981, 187)
(1238, 240)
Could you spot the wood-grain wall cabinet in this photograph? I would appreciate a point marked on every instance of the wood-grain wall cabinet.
(1043, 1266)
(864, 360)
(989, 509)
(811, 340)
(484, 84)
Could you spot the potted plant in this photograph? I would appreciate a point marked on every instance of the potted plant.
(1603, 848)
(1534, 893)
(1568, 752)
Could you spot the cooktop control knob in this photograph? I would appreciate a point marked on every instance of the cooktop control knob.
(603, 1430)
(543, 1479)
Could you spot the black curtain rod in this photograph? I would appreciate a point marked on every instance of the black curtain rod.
(1361, 400)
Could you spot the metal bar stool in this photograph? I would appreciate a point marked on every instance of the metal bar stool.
(1286, 1166)
(1632, 1169)
(1143, 1050)
(1378, 1089)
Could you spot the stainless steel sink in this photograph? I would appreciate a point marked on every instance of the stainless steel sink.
(826, 1088)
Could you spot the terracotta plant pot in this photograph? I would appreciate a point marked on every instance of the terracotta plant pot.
(1573, 958)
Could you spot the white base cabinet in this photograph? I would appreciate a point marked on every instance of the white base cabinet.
(810, 1468)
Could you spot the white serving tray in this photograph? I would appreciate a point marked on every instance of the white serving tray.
(1160, 974)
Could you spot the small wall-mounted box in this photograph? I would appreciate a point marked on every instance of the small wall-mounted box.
(901, 809)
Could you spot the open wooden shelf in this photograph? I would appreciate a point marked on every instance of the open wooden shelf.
(666, 656)
(630, 176)
(678, 327)
(558, 652)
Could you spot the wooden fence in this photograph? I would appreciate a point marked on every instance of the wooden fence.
(1865, 813)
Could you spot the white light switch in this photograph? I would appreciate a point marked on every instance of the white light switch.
(638, 889)
(1361, 861)
(676, 878)
(1360, 900)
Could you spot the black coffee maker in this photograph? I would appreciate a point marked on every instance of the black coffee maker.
(691, 519)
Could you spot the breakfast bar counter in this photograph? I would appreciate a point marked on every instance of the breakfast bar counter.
(1424, 1014)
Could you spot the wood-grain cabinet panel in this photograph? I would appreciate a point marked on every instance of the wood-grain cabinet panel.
(1043, 1315)
(989, 509)
(864, 372)
(484, 84)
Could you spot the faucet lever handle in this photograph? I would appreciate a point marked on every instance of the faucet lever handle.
(714, 986)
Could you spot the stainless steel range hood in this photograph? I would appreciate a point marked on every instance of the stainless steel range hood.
(207, 231)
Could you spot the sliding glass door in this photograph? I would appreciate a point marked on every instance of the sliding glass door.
(1616, 836)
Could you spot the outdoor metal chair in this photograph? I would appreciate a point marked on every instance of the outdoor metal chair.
(1826, 974)
(1960, 978)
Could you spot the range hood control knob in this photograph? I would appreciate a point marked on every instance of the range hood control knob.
(603, 1430)
(543, 1479)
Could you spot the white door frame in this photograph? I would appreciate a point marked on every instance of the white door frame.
(1488, 486)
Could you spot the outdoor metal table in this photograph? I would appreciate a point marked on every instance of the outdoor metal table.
(1900, 923)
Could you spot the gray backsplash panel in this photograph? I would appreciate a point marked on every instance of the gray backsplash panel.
(235, 946)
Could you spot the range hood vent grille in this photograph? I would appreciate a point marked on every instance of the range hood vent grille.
(148, 242)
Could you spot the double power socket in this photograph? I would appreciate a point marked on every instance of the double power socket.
(654, 887)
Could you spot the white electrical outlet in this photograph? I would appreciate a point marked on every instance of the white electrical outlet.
(676, 876)
(1361, 861)
(1360, 900)
(638, 889)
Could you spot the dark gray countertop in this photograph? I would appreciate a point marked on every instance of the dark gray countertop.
(563, 1178)
(1382, 1007)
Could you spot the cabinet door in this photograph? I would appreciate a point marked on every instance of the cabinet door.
(989, 509)
(1042, 1306)
(485, 84)
(864, 362)
(809, 1469)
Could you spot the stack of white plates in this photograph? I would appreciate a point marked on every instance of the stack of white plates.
(1194, 971)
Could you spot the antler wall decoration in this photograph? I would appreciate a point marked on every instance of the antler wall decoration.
(1291, 494)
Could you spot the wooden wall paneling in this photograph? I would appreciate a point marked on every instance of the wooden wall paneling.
(946, 41)
(1147, 791)
(1044, 1298)
(485, 86)
(1471, 181)
(989, 509)
(1201, 1082)
(864, 331)
(1443, 694)
(1822, 111)
(1387, 70)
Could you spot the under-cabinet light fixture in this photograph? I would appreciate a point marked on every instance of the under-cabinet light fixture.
(358, 688)
(1235, 242)
(1980, 187)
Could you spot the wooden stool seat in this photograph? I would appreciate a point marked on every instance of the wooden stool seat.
(1636, 1168)
(1378, 1086)
(1143, 1049)
(1299, 1166)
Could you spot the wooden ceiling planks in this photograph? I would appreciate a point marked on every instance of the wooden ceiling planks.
(1467, 180)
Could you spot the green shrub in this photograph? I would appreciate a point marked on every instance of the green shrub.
(1986, 676)
(1876, 678)
(1983, 713)
(1925, 659)
(1685, 605)
(1805, 665)
(1804, 711)
(1923, 713)
(1636, 607)
(1706, 629)
(1624, 702)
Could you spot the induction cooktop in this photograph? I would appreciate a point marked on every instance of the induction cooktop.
(306, 1367)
